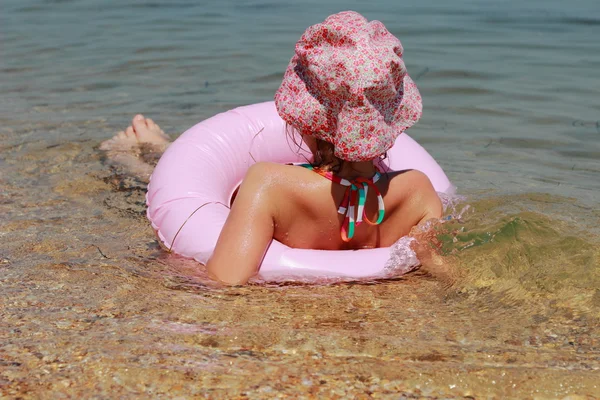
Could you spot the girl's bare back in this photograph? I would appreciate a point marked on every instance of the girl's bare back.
(299, 208)
(309, 217)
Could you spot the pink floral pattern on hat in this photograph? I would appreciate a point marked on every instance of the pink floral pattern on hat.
(347, 84)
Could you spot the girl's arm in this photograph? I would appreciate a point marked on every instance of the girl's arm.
(248, 230)
(427, 245)
(427, 248)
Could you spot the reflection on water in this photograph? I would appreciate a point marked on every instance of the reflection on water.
(92, 307)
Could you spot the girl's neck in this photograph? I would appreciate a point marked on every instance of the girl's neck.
(352, 170)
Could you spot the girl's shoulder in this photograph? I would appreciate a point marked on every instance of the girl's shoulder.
(410, 178)
(280, 178)
(275, 173)
(413, 187)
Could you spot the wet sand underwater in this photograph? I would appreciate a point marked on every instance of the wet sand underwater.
(91, 307)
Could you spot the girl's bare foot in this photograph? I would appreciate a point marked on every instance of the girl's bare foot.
(141, 130)
(126, 147)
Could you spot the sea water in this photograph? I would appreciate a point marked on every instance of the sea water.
(91, 306)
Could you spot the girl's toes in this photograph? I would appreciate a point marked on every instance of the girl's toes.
(107, 144)
(139, 124)
(120, 142)
(130, 132)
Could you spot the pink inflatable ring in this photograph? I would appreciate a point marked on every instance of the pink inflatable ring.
(191, 189)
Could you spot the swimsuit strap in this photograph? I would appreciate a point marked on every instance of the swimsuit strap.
(353, 203)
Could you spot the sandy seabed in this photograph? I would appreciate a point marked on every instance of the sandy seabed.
(92, 308)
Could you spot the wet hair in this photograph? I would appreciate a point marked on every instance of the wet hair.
(324, 156)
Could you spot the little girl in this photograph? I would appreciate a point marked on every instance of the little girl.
(346, 90)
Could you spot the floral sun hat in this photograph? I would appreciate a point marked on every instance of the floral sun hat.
(347, 85)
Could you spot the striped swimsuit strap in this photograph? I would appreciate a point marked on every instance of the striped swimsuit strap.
(353, 202)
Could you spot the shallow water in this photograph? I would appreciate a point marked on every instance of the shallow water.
(91, 306)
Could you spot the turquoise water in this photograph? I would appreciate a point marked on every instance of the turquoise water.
(92, 306)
